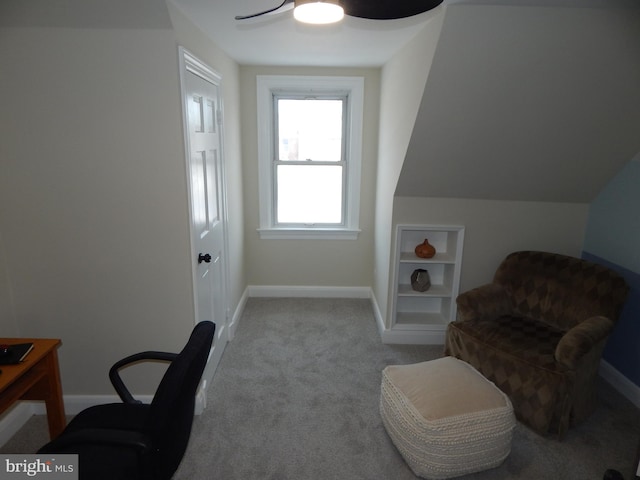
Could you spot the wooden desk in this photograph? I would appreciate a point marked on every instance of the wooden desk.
(36, 378)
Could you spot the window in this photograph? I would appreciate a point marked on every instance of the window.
(309, 140)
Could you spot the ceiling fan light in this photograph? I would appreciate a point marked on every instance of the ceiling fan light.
(318, 11)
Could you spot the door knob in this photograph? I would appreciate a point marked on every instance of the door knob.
(206, 258)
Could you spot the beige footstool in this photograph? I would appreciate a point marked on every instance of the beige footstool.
(445, 418)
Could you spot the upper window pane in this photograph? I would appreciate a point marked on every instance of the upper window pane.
(310, 129)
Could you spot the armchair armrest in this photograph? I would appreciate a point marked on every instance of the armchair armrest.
(487, 301)
(116, 380)
(581, 339)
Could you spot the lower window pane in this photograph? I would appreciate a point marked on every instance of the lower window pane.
(309, 194)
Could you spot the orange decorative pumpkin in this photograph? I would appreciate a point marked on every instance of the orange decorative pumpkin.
(425, 249)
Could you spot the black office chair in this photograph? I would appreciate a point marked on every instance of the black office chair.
(136, 441)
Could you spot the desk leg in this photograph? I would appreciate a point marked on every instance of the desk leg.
(53, 399)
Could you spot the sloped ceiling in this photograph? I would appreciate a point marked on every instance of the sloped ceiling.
(527, 103)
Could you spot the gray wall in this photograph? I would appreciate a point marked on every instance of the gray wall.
(494, 229)
(93, 193)
(527, 103)
(402, 86)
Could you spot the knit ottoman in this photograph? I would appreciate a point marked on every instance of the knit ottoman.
(445, 418)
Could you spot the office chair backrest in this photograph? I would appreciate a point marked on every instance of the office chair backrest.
(172, 408)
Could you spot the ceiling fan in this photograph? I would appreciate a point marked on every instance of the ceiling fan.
(304, 10)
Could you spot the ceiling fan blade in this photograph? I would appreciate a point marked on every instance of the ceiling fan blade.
(369, 9)
(387, 9)
(253, 15)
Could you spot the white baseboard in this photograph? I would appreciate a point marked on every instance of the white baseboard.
(377, 314)
(217, 353)
(621, 383)
(237, 314)
(295, 291)
(413, 337)
(14, 419)
(406, 336)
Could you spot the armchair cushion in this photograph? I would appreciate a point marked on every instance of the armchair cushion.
(525, 338)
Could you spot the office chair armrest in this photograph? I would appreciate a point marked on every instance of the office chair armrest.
(67, 442)
(116, 380)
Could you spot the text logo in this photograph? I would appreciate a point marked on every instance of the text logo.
(55, 467)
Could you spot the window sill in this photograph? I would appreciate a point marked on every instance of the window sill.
(308, 234)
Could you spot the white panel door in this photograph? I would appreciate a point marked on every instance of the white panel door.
(203, 122)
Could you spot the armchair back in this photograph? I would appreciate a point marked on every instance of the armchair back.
(559, 290)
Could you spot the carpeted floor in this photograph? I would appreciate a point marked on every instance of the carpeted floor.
(296, 398)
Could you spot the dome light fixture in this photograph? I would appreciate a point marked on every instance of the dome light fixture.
(319, 12)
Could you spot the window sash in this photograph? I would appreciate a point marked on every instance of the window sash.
(267, 86)
(313, 220)
(343, 99)
(316, 163)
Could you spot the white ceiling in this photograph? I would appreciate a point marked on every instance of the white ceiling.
(277, 39)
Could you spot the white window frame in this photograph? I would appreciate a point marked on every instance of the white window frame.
(353, 87)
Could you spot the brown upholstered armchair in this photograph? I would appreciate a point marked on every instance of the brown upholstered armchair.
(538, 332)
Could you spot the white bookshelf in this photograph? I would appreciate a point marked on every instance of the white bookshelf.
(422, 317)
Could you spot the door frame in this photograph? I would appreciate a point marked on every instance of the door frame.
(189, 63)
